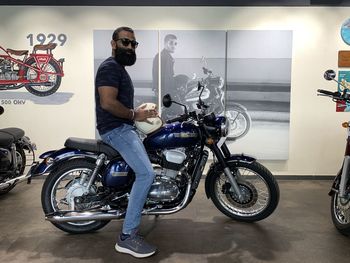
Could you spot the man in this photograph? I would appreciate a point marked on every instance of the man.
(167, 66)
(114, 95)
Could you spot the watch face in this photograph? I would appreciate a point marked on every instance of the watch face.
(345, 31)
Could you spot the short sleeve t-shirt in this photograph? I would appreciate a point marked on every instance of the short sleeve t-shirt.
(111, 73)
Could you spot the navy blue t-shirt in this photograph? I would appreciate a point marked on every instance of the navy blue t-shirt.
(111, 73)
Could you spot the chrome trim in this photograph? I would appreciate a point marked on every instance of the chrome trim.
(85, 216)
(14, 181)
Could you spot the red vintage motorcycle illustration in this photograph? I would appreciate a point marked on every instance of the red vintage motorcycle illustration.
(39, 72)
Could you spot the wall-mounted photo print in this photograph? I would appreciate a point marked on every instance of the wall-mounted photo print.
(188, 57)
(259, 80)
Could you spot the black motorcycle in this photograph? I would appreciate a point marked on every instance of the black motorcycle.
(89, 183)
(13, 158)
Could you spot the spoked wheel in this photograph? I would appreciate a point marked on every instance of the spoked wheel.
(51, 77)
(240, 122)
(260, 192)
(60, 190)
(340, 210)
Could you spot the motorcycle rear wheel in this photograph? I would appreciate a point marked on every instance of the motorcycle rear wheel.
(340, 210)
(43, 90)
(69, 169)
(259, 189)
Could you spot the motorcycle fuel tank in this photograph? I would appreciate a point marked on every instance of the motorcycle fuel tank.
(172, 136)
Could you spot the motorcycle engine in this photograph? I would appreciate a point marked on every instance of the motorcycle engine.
(165, 187)
(6, 71)
(5, 159)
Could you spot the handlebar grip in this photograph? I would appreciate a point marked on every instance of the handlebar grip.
(329, 93)
(180, 118)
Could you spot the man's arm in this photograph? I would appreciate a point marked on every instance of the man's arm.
(109, 103)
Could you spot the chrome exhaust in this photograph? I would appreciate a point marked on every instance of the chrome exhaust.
(83, 216)
(13, 181)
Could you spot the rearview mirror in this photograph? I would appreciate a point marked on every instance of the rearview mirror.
(167, 100)
(329, 74)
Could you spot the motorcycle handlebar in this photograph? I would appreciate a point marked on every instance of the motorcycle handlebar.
(180, 118)
(329, 93)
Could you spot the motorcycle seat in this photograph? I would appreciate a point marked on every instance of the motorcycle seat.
(47, 47)
(16, 133)
(17, 52)
(5, 139)
(91, 145)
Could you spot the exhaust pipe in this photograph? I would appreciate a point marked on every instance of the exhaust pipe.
(13, 181)
(83, 216)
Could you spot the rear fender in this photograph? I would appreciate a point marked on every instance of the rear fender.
(217, 168)
(53, 158)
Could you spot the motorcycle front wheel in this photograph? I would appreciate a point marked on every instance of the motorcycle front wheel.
(240, 122)
(260, 192)
(340, 210)
(61, 187)
(43, 89)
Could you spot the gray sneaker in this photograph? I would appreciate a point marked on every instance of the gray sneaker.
(136, 246)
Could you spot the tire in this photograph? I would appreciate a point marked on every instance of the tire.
(21, 164)
(254, 180)
(50, 204)
(240, 122)
(43, 90)
(340, 210)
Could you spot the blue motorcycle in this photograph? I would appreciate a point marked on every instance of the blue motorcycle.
(89, 183)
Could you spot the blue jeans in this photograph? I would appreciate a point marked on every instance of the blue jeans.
(127, 142)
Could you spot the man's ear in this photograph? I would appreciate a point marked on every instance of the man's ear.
(113, 44)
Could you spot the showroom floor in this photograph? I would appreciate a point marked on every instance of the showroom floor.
(300, 230)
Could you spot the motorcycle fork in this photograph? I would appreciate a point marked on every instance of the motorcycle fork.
(220, 155)
(345, 172)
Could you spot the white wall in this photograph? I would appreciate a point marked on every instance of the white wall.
(316, 138)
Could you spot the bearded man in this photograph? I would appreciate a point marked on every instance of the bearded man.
(115, 116)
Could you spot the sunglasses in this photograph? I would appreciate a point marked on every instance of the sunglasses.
(126, 42)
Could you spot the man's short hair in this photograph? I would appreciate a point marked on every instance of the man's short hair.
(116, 32)
(169, 37)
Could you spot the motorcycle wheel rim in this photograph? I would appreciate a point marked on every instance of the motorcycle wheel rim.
(33, 74)
(74, 175)
(254, 204)
(341, 210)
(238, 123)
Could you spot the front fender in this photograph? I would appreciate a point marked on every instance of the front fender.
(217, 168)
(335, 184)
(53, 158)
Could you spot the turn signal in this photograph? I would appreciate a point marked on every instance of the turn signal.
(210, 141)
(345, 125)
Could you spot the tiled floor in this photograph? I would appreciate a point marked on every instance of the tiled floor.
(300, 230)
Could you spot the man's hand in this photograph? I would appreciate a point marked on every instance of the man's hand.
(141, 113)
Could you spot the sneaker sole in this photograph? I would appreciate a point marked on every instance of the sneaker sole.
(132, 253)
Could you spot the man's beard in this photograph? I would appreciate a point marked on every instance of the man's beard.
(125, 57)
